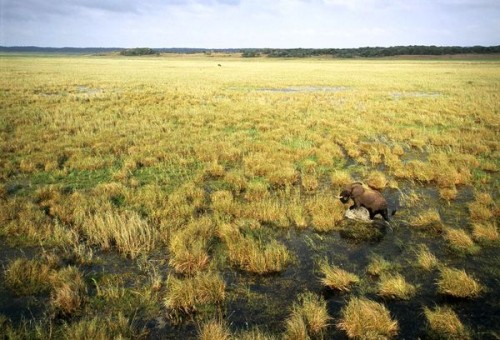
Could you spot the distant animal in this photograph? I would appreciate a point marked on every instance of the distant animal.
(366, 197)
(219, 65)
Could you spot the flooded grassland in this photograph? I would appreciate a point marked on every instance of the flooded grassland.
(170, 197)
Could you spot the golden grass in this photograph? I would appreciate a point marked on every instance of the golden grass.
(444, 322)
(255, 334)
(448, 193)
(309, 317)
(310, 183)
(460, 241)
(394, 286)
(214, 330)
(425, 259)
(458, 283)
(427, 220)
(376, 180)
(27, 277)
(378, 265)
(69, 291)
(133, 158)
(127, 230)
(340, 179)
(189, 246)
(256, 191)
(325, 211)
(253, 255)
(296, 328)
(337, 278)
(480, 211)
(110, 327)
(485, 232)
(296, 212)
(188, 294)
(366, 319)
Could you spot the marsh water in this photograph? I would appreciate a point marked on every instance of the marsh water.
(265, 301)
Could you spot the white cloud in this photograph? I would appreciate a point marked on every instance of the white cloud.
(249, 23)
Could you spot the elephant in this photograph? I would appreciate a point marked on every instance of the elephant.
(371, 199)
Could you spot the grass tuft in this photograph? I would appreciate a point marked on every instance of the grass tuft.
(378, 265)
(254, 255)
(337, 278)
(214, 330)
(366, 319)
(98, 327)
(444, 323)
(429, 220)
(326, 212)
(69, 291)
(340, 179)
(127, 230)
(189, 246)
(377, 180)
(458, 283)
(27, 277)
(425, 259)
(460, 241)
(309, 317)
(189, 294)
(394, 286)
(485, 232)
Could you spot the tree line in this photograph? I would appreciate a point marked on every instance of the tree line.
(369, 52)
(361, 52)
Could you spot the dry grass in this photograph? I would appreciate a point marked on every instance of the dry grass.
(296, 211)
(378, 265)
(214, 330)
(485, 232)
(309, 317)
(376, 180)
(425, 259)
(444, 323)
(189, 247)
(135, 158)
(458, 283)
(427, 220)
(337, 278)
(256, 334)
(27, 277)
(253, 255)
(296, 328)
(340, 179)
(480, 211)
(187, 295)
(310, 183)
(69, 291)
(325, 211)
(366, 319)
(131, 234)
(448, 193)
(394, 286)
(111, 327)
(482, 208)
(460, 241)
(256, 191)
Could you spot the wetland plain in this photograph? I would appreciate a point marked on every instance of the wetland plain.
(167, 197)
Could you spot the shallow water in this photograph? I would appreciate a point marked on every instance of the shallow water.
(266, 301)
(304, 89)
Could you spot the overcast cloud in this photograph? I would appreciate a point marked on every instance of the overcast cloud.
(248, 23)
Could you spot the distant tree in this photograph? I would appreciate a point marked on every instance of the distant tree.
(138, 51)
(250, 54)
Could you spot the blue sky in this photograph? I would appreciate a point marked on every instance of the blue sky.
(249, 23)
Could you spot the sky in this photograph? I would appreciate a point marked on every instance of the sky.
(249, 23)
